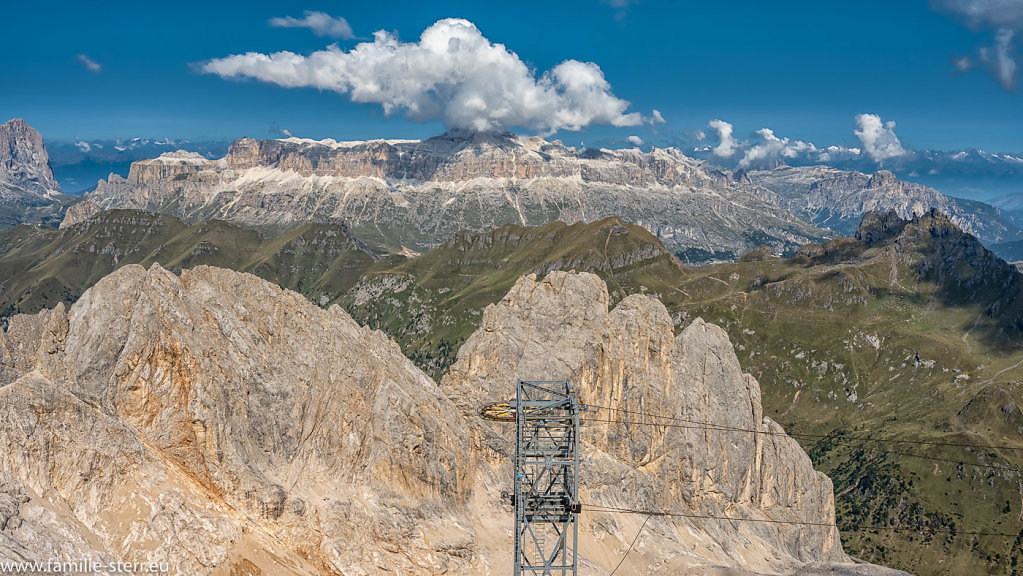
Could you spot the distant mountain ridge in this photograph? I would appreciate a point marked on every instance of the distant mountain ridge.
(416, 194)
(79, 164)
(412, 195)
(838, 199)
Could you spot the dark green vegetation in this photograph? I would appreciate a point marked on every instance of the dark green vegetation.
(42, 266)
(911, 331)
(431, 304)
(18, 207)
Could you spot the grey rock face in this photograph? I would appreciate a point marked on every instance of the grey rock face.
(837, 199)
(24, 163)
(418, 194)
(222, 425)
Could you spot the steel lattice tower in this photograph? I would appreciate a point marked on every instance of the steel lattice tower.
(546, 478)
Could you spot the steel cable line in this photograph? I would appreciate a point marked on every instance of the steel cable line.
(807, 434)
(593, 507)
(836, 439)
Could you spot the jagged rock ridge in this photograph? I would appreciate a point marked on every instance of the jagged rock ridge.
(219, 423)
(417, 194)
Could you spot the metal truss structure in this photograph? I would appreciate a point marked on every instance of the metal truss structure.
(546, 495)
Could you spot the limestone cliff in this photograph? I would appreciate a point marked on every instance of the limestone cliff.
(24, 162)
(218, 423)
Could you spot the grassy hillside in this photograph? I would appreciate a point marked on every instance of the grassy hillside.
(42, 266)
(431, 304)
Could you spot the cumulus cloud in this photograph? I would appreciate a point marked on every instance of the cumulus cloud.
(322, 24)
(768, 148)
(1006, 18)
(878, 140)
(727, 143)
(655, 117)
(635, 140)
(90, 64)
(453, 73)
(771, 147)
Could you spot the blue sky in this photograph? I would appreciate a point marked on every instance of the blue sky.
(803, 69)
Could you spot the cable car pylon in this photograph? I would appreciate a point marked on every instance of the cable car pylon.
(546, 497)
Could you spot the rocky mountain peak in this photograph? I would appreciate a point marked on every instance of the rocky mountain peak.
(461, 137)
(24, 162)
(877, 227)
(882, 179)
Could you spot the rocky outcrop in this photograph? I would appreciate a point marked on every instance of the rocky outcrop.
(628, 366)
(837, 199)
(23, 160)
(216, 423)
(417, 194)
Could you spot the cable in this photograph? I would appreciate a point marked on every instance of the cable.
(624, 556)
(838, 440)
(610, 509)
(602, 508)
(807, 434)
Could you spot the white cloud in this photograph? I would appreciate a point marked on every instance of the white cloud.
(700, 135)
(766, 150)
(90, 64)
(83, 146)
(963, 64)
(1005, 17)
(320, 23)
(452, 73)
(635, 140)
(878, 140)
(995, 13)
(1004, 63)
(656, 118)
(727, 143)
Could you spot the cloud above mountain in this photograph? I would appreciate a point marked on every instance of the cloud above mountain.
(726, 143)
(770, 150)
(878, 139)
(321, 23)
(453, 73)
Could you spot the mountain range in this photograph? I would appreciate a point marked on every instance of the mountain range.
(412, 195)
(970, 173)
